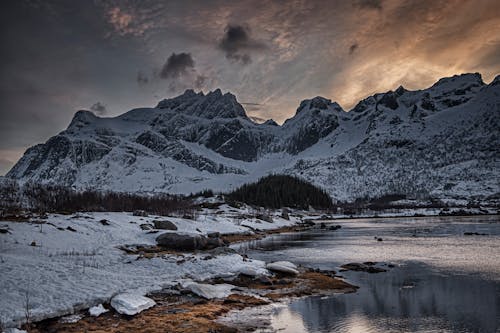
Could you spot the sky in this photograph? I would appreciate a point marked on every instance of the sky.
(109, 56)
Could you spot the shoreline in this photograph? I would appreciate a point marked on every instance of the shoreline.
(185, 313)
(300, 223)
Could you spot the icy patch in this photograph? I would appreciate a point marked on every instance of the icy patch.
(131, 304)
(283, 267)
(14, 330)
(97, 310)
(253, 271)
(71, 319)
(211, 291)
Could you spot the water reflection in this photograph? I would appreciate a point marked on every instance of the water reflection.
(444, 281)
(410, 298)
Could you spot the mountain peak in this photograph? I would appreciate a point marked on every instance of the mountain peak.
(317, 103)
(460, 81)
(82, 118)
(212, 105)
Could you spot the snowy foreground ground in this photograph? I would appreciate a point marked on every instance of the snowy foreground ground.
(66, 270)
(67, 263)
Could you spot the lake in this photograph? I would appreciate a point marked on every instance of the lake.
(442, 280)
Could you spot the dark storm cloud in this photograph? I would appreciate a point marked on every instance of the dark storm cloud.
(99, 108)
(369, 4)
(177, 65)
(60, 56)
(237, 44)
(353, 48)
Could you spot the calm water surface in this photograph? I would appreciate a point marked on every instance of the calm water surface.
(442, 281)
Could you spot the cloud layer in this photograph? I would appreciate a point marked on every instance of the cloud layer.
(270, 53)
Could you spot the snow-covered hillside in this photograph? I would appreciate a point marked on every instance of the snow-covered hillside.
(441, 142)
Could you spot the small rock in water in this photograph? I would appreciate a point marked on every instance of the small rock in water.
(474, 234)
(97, 310)
(379, 239)
(354, 266)
(334, 227)
(131, 304)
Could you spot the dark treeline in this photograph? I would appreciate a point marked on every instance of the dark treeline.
(276, 191)
(58, 199)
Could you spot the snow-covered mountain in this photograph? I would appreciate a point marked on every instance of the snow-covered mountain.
(442, 141)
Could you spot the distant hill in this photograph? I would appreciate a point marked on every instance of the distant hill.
(277, 191)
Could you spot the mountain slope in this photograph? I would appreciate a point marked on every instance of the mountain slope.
(441, 142)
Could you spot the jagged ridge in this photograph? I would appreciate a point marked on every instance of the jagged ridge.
(441, 141)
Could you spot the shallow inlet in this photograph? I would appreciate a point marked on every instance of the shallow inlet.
(443, 280)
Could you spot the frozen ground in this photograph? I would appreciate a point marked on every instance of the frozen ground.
(58, 271)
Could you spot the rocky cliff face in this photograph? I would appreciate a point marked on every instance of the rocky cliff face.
(442, 141)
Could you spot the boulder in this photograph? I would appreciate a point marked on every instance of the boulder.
(265, 217)
(210, 291)
(213, 234)
(104, 222)
(186, 242)
(283, 267)
(140, 213)
(212, 243)
(131, 304)
(164, 225)
(146, 226)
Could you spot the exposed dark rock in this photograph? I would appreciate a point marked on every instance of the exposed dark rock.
(265, 217)
(389, 100)
(358, 267)
(213, 242)
(164, 225)
(104, 222)
(474, 234)
(186, 242)
(334, 227)
(140, 213)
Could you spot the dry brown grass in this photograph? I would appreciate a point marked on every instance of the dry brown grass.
(187, 315)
